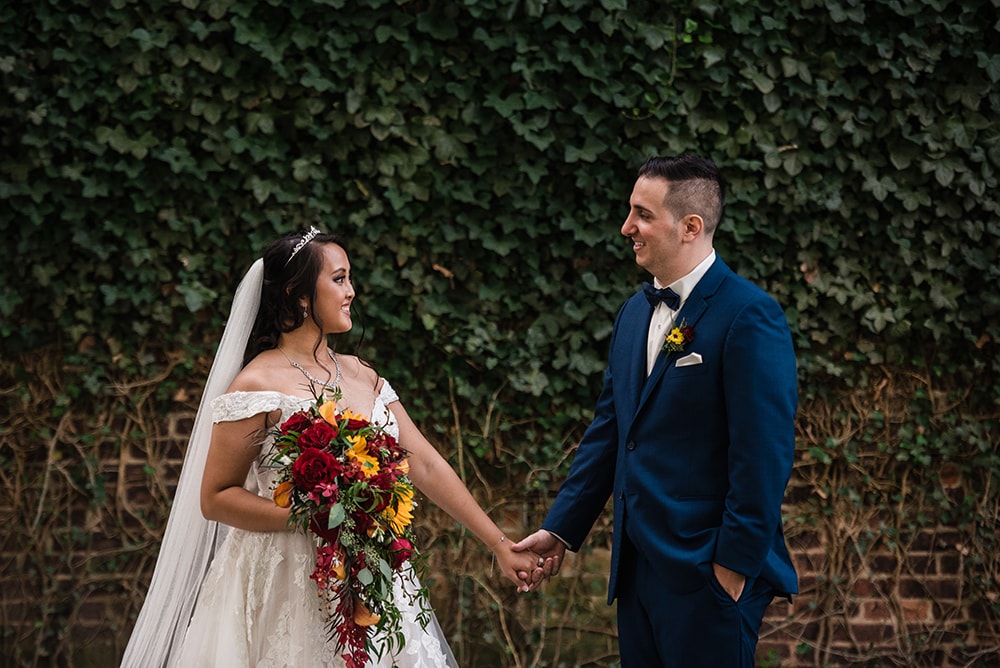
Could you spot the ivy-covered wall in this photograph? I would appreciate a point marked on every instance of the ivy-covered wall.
(478, 156)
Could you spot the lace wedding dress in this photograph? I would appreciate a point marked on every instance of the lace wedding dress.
(257, 607)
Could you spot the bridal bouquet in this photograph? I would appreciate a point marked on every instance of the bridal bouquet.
(345, 481)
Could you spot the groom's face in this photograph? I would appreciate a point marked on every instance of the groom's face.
(655, 232)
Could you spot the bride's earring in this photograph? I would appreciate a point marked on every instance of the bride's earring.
(305, 313)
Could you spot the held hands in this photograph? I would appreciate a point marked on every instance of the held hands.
(546, 552)
(514, 564)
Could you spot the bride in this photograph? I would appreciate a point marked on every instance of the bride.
(231, 587)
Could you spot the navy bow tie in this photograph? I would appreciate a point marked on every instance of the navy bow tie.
(665, 295)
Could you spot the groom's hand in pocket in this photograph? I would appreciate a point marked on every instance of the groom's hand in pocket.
(730, 580)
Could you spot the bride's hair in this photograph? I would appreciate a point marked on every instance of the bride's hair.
(291, 270)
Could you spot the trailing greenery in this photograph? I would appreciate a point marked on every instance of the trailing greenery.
(478, 157)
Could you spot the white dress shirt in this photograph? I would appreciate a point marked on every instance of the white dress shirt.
(664, 316)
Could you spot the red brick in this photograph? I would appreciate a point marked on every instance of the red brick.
(863, 633)
(916, 610)
(807, 581)
(884, 563)
(809, 562)
(876, 611)
(863, 588)
(181, 427)
(801, 607)
(949, 564)
(940, 587)
(779, 608)
(767, 649)
(924, 564)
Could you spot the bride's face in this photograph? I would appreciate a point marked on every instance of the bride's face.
(334, 292)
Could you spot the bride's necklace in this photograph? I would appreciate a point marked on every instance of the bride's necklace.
(314, 379)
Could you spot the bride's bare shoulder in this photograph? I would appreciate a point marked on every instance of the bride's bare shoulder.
(260, 374)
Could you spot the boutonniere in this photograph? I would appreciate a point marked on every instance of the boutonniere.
(678, 337)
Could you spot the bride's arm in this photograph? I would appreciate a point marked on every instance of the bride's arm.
(233, 449)
(438, 481)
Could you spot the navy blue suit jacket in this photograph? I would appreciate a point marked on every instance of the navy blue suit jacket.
(696, 457)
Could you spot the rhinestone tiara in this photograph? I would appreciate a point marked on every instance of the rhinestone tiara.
(306, 238)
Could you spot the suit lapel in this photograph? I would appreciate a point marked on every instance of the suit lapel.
(635, 327)
(694, 308)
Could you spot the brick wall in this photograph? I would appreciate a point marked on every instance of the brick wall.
(888, 607)
(898, 602)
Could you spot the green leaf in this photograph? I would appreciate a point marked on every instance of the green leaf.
(385, 570)
(337, 516)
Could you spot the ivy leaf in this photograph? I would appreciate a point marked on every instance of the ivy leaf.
(436, 26)
(196, 296)
(989, 64)
(591, 150)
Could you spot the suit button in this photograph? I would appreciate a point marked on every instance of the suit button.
(630, 445)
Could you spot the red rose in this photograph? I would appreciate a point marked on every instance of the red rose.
(312, 467)
(296, 423)
(372, 498)
(402, 550)
(382, 482)
(318, 525)
(353, 424)
(362, 522)
(380, 502)
(319, 435)
(688, 333)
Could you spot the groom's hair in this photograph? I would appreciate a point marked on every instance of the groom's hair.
(696, 186)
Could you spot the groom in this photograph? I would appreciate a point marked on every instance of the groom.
(693, 436)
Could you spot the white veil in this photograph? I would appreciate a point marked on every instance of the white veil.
(189, 540)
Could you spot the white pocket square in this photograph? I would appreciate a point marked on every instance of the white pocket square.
(689, 360)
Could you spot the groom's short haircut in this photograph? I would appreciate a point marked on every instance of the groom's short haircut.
(696, 186)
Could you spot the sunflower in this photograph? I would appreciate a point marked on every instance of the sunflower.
(399, 515)
(359, 453)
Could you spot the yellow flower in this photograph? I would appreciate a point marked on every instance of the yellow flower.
(400, 514)
(359, 453)
(675, 336)
(350, 415)
(328, 410)
(679, 336)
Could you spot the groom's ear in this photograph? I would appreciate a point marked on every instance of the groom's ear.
(693, 226)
